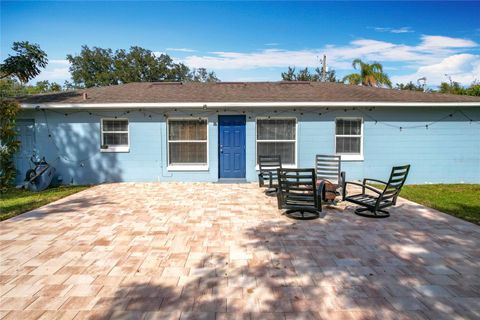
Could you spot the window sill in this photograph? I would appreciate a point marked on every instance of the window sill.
(116, 149)
(351, 157)
(187, 168)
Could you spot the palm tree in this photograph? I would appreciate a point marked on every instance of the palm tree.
(371, 75)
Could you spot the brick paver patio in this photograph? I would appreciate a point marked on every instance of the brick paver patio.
(218, 251)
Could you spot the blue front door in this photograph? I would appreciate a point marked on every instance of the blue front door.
(231, 131)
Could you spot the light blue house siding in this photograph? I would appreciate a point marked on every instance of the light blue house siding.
(447, 152)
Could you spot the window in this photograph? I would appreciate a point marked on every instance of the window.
(348, 138)
(115, 135)
(187, 143)
(277, 137)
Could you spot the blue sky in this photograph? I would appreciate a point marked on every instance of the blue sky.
(256, 41)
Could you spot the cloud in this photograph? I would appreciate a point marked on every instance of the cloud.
(430, 51)
(272, 44)
(59, 61)
(463, 68)
(394, 30)
(433, 42)
(432, 56)
(56, 71)
(181, 49)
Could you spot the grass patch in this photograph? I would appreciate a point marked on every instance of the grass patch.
(459, 200)
(16, 201)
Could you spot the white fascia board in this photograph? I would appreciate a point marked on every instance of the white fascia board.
(201, 105)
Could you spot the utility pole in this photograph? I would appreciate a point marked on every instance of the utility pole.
(324, 68)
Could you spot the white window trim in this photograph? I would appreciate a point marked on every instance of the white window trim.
(349, 156)
(119, 148)
(187, 167)
(286, 166)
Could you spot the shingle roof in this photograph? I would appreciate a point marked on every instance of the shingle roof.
(165, 92)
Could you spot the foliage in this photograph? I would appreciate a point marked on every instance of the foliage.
(456, 88)
(10, 87)
(370, 75)
(101, 67)
(410, 86)
(459, 200)
(93, 67)
(15, 201)
(202, 75)
(306, 75)
(26, 64)
(9, 144)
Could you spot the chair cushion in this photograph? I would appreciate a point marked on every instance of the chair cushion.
(330, 189)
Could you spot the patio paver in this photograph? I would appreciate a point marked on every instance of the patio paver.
(219, 251)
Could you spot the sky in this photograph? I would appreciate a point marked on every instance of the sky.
(256, 41)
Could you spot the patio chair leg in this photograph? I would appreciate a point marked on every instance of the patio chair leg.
(271, 192)
(302, 214)
(372, 214)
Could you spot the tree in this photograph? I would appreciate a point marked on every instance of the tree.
(93, 67)
(9, 144)
(10, 88)
(26, 64)
(474, 89)
(452, 88)
(370, 75)
(456, 88)
(100, 67)
(202, 75)
(306, 75)
(410, 86)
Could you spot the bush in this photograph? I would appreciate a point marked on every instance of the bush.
(9, 144)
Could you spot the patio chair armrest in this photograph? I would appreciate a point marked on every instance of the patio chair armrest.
(375, 180)
(363, 187)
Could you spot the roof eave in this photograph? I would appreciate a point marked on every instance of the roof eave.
(244, 104)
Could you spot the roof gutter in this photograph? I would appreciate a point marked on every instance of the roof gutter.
(244, 105)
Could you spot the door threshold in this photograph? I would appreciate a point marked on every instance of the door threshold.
(232, 180)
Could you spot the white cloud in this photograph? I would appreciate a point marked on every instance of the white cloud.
(434, 42)
(272, 44)
(59, 61)
(181, 49)
(433, 57)
(158, 53)
(430, 51)
(394, 30)
(463, 68)
(56, 71)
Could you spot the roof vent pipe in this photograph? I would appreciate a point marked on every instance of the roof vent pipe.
(85, 96)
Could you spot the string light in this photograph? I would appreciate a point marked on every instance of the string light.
(276, 112)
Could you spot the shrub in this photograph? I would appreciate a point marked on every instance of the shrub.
(9, 144)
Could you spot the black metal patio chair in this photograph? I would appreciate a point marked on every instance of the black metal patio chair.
(268, 166)
(373, 205)
(298, 193)
(330, 177)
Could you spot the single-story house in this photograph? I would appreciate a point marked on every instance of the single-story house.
(215, 131)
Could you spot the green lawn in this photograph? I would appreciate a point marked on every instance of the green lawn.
(16, 201)
(459, 200)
